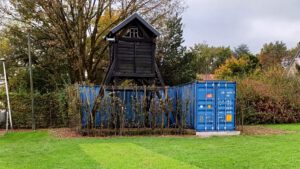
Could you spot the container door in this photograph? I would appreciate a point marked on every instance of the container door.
(225, 97)
(205, 107)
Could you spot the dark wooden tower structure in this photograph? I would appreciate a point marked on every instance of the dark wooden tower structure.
(132, 46)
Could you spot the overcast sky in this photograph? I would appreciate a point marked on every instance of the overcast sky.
(233, 22)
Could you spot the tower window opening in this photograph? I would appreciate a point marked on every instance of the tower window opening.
(133, 33)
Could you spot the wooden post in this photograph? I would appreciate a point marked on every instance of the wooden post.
(8, 113)
(31, 83)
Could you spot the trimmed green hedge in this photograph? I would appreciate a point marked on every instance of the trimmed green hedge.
(50, 109)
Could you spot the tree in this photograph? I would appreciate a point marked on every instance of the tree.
(244, 65)
(50, 71)
(272, 54)
(241, 50)
(175, 64)
(186, 70)
(209, 58)
(243, 62)
(294, 51)
(72, 32)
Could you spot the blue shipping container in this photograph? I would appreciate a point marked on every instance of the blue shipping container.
(130, 99)
(186, 96)
(207, 105)
(213, 104)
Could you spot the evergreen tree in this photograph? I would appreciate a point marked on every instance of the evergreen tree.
(242, 49)
(172, 58)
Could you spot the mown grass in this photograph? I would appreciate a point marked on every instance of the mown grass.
(288, 127)
(40, 150)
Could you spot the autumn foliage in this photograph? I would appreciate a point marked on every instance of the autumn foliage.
(233, 67)
(269, 97)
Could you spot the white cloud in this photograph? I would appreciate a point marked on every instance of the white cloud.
(232, 22)
(271, 29)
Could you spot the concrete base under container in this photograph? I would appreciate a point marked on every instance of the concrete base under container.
(218, 133)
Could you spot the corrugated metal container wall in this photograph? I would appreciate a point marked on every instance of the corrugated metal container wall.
(206, 105)
(131, 99)
(186, 96)
(226, 102)
(215, 106)
(171, 91)
(88, 95)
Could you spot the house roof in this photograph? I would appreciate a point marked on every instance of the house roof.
(131, 18)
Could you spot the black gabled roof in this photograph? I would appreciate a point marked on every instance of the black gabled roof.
(131, 18)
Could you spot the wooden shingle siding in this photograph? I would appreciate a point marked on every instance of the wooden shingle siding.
(134, 57)
(132, 52)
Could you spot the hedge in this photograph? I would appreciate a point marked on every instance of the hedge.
(271, 97)
(51, 109)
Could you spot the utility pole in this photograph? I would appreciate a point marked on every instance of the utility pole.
(31, 83)
(8, 112)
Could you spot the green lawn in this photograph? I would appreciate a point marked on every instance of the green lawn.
(40, 150)
(288, 127)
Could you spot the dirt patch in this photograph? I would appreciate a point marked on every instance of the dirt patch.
(72, 133)
(132, 132)
(136, 132)
(260, 130)
(57, 132)
(2, 132)
(64, 132)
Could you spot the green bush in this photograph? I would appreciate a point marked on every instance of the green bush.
(50, 109)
